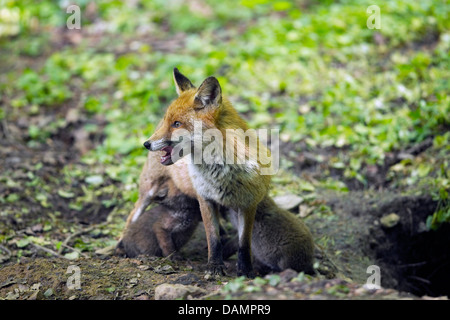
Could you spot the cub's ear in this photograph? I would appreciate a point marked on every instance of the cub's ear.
(181, 82)
(162, 192)
(209, 94)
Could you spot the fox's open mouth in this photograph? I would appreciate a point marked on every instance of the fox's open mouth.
(167, 158)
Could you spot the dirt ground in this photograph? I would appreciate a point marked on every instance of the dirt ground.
(348, 241)
(104, 276)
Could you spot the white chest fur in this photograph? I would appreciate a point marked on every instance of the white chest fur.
(227, 184)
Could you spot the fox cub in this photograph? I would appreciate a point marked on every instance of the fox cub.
(164, 229)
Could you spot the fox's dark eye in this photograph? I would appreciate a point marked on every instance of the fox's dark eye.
(176, 124)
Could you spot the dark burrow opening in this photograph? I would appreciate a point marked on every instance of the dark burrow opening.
(411, 257)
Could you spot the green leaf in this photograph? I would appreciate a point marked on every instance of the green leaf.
(260, 281)
(13, 197)
(65, 194)
(94, 180)
(72, 255)
(22, 243)
(34, 132)
(42, 198)
(423, 170)
(58, 245)
(443, 194)
(306, 186)
(111, 289)
(274, 280)
(48, 292)
(282, 6)
(301, 276)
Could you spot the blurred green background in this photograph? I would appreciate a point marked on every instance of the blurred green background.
(349, 97)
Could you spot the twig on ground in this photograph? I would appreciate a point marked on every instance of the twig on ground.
(6, 250)
(74, 249)
(53, 253)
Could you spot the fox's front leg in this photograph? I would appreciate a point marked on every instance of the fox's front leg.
(164, 238)
(246, 218)
(210, 217)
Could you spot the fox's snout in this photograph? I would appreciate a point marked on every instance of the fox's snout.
(162, 145)
(156, 145)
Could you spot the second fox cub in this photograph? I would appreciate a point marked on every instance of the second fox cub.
(164, 229)
(239, 185)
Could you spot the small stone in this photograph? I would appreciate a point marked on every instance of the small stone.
(288, 201)
(360, 291)
(165, 269)
(37, 228)
(23, 288)
(187, 279)
(12, 295)
(107, 251)
(390, 220)
(177, 291)
(144, 267)
(287, 275)
(207, 276)
(133, 282)
(371, 287)
(305, 210)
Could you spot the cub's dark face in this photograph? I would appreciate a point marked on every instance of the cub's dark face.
(168, 195)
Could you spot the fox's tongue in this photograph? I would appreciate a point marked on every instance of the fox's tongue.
(167, 157)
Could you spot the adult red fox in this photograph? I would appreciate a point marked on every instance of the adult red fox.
(229, 174)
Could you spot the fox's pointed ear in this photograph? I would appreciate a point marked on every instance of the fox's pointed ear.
(181, 82)
(208, 94)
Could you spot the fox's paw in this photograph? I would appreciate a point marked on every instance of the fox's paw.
(249, 274)
(214, 270)
(244, 264)
(119, 250)
(175, 256)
